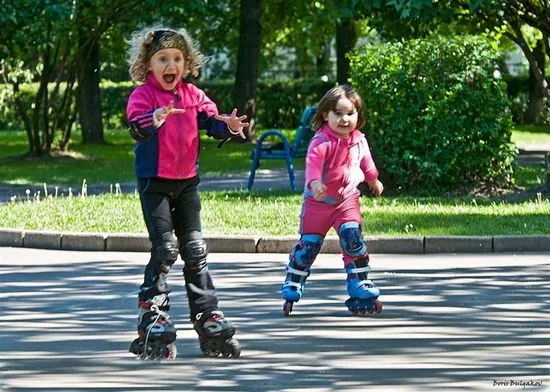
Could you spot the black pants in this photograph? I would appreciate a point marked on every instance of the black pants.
(174, 205)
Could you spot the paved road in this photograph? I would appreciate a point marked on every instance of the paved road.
(450, 322)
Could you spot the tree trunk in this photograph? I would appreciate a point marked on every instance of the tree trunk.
(248, 62)
(535, 108)
(88, 92)
(346, 38)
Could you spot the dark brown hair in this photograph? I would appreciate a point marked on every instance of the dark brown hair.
(329, 101)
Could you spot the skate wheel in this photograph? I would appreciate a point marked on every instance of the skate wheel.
(378, 306)
(171, 352)
(287, 308)
(232, 348)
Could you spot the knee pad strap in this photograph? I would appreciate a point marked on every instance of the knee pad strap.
(166, 252)
(351, 239)
(194, 255)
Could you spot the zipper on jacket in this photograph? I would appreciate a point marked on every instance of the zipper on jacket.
(180, 139)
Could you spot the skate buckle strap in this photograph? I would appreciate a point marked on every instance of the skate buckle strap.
(367, 283)
(198, 316)
(293, 284)
(359, 270)
(296, 271)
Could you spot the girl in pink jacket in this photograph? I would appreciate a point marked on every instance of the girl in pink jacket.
(165, 114)
(337, 161)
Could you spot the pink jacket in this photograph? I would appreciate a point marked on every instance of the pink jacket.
(172, 150)
(341, 164)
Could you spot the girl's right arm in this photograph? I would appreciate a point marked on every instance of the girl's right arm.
(315, 162)
(140, 114)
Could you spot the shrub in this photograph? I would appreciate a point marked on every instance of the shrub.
(437, 113)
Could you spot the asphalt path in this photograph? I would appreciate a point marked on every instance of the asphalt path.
(450, 323)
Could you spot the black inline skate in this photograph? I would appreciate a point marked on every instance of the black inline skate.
(216, 335)
(156, 332)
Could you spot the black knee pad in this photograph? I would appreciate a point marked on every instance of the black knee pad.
(166, 252)
(194, 254)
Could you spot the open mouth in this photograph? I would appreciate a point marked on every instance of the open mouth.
(169, 78)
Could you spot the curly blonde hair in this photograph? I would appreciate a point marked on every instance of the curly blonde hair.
(146, 42)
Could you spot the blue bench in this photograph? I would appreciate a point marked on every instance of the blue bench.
(283, 150)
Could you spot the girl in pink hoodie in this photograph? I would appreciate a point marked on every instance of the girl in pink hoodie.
(337, 161)
(165, 114)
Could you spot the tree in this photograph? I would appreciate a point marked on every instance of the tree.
(248, 61)
(41, 51)
(93, 19)
(503, 19)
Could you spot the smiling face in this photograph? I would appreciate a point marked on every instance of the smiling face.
(343, 118)
(168, 66)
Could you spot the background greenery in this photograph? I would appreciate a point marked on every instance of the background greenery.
(437, 116)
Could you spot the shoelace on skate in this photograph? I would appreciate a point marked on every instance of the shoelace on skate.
(159, 314)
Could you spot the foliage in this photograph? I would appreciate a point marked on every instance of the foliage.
(437, 112)
(524, 22)
(38, 48)
(276, 106)
(280, 103)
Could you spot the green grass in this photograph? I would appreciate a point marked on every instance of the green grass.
(113, 163)
(110, 163)
(531, 134)
(243, 213)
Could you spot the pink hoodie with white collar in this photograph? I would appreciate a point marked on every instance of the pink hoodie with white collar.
(340, 163)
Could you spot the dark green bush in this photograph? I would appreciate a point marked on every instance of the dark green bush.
(437, 113)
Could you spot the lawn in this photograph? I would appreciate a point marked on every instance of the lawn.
(244, 213)
(241, 212)
(111, 163)
(531, 134)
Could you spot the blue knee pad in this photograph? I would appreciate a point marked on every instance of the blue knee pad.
(306, 250)
(351, 239)
(301, 258)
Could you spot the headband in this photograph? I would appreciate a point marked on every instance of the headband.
(164, 39)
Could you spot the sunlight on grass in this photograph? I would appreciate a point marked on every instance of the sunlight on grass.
(531, 134)
(244, 213)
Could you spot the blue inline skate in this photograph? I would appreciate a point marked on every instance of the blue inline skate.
(362, 291)
(156, 331)
(300, 260)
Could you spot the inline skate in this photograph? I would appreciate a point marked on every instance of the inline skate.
(301, 258)
(156, 331)
(363, 292)
(216, 335)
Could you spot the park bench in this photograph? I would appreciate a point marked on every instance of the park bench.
(284, 149)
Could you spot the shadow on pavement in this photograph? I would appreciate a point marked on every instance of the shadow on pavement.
(67, 326)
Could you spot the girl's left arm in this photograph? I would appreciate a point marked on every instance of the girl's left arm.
(216, 125)
(367, 163)
(371, 172)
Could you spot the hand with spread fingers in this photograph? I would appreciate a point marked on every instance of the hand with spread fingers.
(234, 122)
(162, 113)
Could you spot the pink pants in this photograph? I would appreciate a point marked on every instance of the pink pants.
(318, 218)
